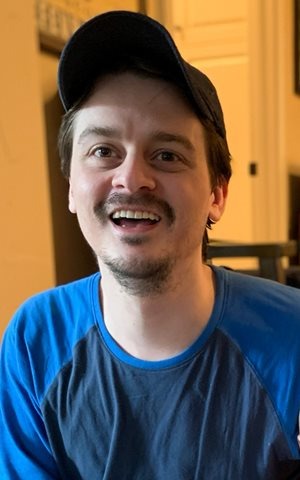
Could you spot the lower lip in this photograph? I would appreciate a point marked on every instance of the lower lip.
(134, 229)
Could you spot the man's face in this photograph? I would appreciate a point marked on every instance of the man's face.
(139, 180)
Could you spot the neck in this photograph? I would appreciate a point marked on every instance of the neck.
(160, 325)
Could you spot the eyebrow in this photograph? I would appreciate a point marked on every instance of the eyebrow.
(99, 131)
(174, 137)
(159, 135)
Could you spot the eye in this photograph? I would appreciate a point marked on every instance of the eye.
(168, 161)
(104, 156)
(167, 156)
(102, 151)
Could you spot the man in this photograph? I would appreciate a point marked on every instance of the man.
(161, 367)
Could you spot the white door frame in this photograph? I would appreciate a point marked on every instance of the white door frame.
(267, 67)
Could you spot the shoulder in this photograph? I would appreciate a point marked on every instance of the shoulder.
(255, 308)
(259, 297)
(61, 306)
(262, 318)
(46, 327)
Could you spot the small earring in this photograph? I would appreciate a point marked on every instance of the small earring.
(210, 223)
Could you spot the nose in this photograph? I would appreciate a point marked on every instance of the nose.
(134, 174)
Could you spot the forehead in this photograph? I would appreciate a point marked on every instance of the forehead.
(112, 87)
(134, 94)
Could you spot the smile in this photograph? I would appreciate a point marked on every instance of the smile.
(127, 218)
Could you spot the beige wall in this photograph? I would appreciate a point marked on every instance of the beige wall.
(26, 259)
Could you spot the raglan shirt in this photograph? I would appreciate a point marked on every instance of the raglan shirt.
(74, 405)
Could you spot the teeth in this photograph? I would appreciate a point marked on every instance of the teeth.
(135, 214)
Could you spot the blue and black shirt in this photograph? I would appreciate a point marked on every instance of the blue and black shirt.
(74, 405)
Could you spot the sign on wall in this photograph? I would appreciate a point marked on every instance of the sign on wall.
(58, 19)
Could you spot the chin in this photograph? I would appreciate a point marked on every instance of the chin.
(141, 277)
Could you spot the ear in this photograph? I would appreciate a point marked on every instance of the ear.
(72, 206)
(218, 201)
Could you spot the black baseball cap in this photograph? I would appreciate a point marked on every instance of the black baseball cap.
(119, 35)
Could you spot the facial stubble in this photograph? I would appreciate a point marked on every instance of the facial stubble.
(138, 276)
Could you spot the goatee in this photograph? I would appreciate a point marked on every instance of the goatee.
(141, 277)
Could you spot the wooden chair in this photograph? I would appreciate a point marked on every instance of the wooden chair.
(269, 255)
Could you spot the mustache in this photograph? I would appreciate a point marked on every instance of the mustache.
(144, 200)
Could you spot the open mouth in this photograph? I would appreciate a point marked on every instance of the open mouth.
(134, 218)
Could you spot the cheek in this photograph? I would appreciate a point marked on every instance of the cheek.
(86, 191)
(192, 212)
(196, 197)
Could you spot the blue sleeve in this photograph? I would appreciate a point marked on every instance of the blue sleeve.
(24, 447)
